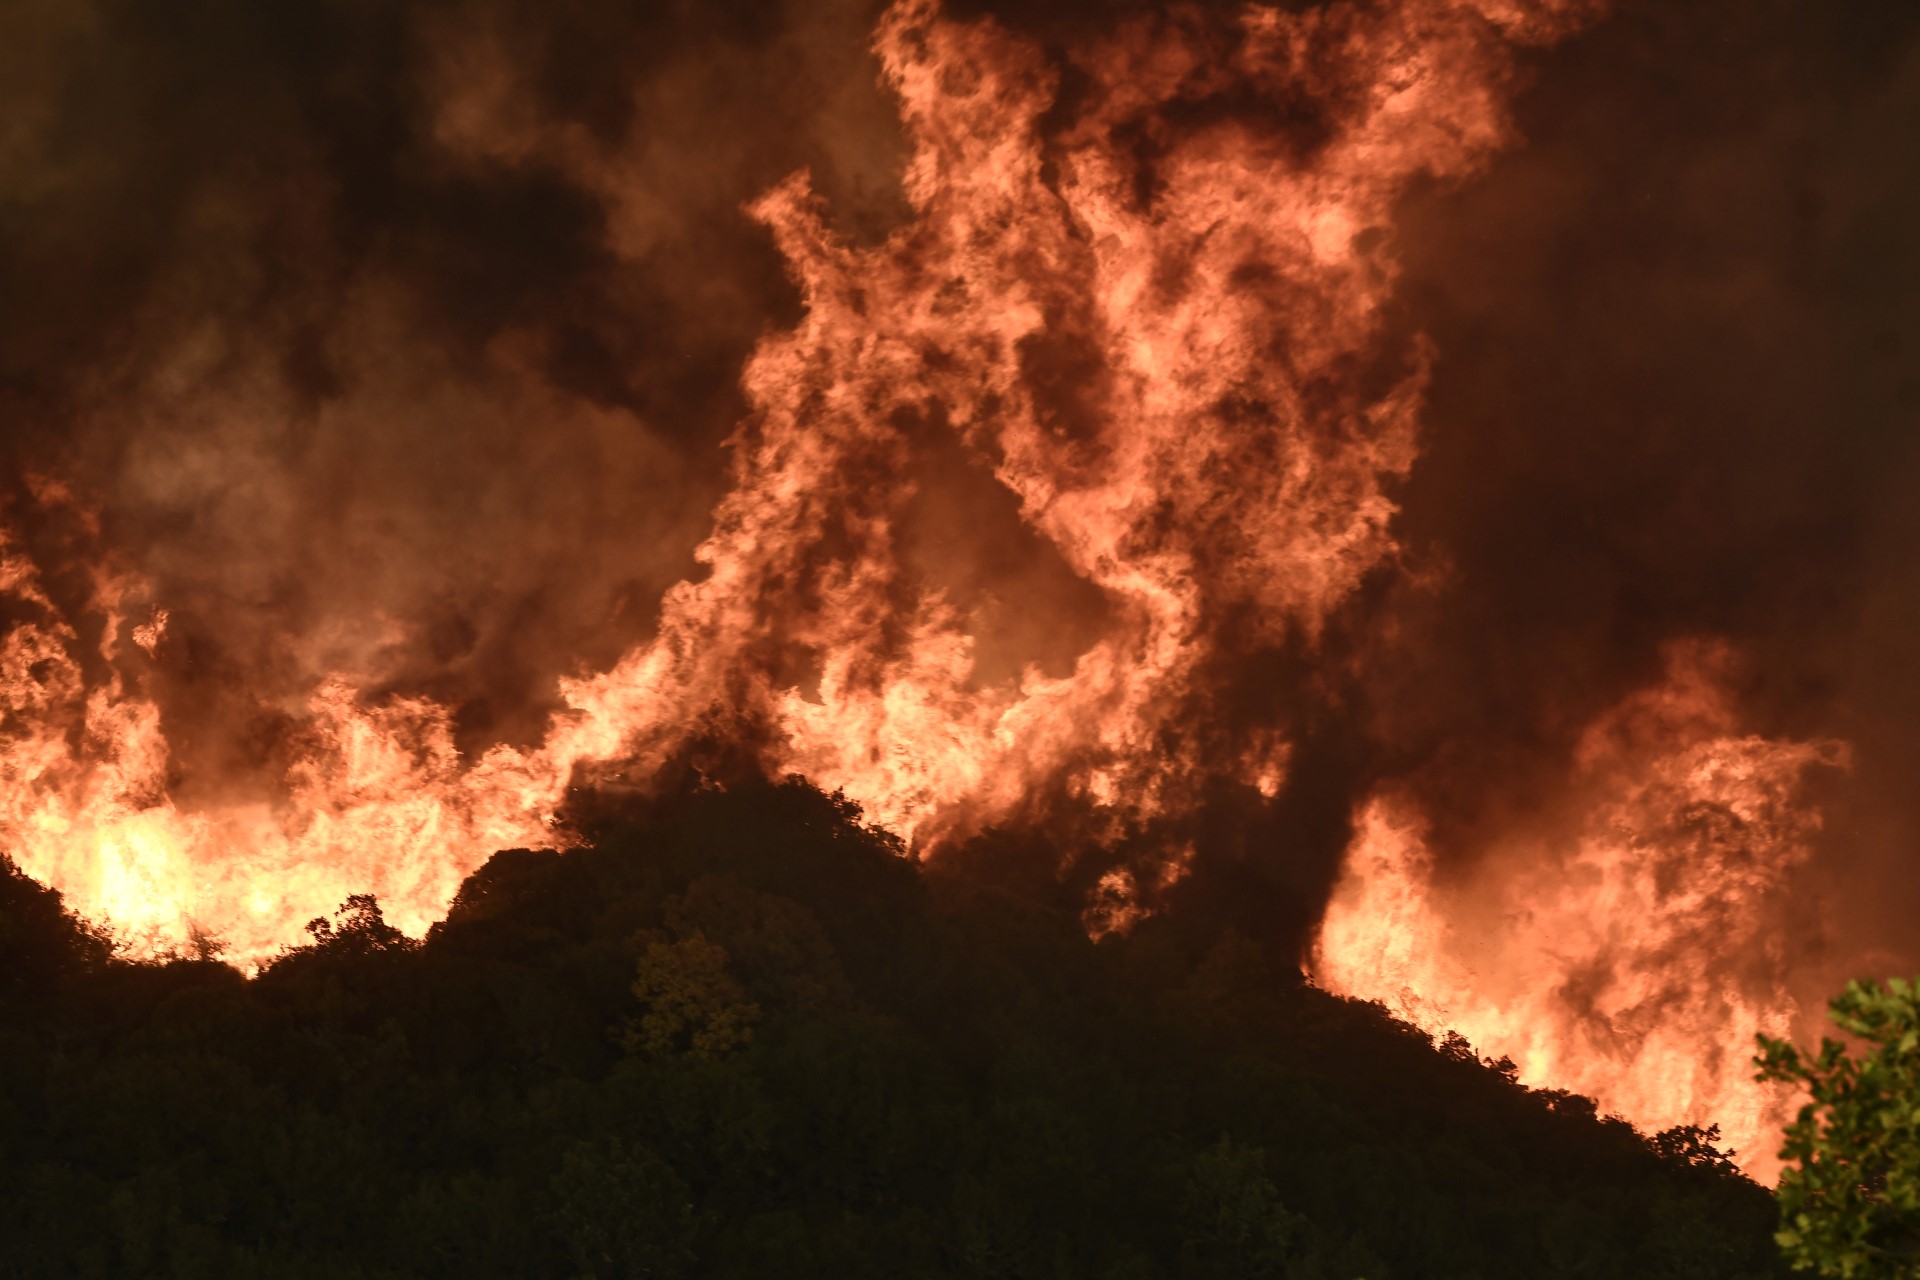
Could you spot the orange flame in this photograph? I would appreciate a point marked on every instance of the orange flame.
(377, 799)
(1636, 960)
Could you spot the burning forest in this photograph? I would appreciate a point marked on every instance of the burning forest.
(1418, 485)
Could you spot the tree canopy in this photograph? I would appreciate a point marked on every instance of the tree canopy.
(741, 1035)
(1850, 1202)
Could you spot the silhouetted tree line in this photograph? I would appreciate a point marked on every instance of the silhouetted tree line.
(741, 1036)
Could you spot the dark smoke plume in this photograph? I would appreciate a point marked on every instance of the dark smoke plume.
(1676, 395)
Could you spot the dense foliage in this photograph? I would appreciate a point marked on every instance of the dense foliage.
(741, 1036)
(1851, 1204)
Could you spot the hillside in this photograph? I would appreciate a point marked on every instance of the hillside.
(741, 1036)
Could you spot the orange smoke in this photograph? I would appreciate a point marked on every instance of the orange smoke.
(1632, 957)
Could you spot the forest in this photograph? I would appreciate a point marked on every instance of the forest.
(737, 1033)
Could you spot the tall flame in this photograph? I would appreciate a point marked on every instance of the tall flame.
(1184, 390)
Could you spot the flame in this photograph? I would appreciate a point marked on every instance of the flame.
(1633, 960)
(1189, 392)
(377, 797)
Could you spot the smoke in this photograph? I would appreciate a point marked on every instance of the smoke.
(398, 343)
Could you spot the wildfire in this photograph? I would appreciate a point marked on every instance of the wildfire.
(1182, 377)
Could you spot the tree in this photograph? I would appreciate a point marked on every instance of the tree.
(1690, 1146)
(622, 1211)
(1851, 1207)
(42, 944)
(358, 928)
(1233, 1224)
(693, 1002)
